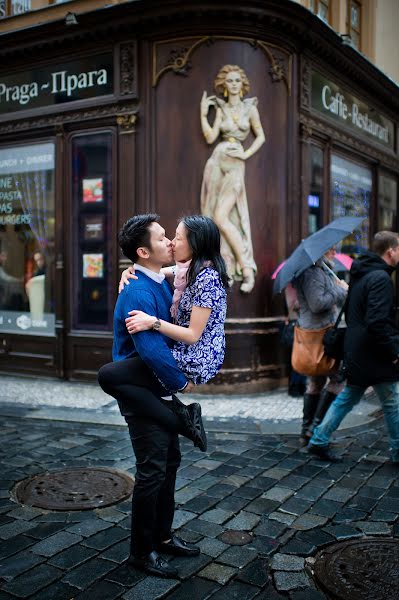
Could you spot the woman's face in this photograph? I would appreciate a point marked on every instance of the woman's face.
(181, 248)
(330, 254)
(233, 83)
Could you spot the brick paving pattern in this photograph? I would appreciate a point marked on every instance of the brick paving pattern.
(286, 503)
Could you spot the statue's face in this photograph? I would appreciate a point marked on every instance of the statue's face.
(233, 82)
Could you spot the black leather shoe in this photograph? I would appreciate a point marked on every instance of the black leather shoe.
(179, 547)
(323, 453)
(153, 564)
(197, 426)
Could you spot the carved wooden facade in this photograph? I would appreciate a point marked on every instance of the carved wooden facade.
(164, 55)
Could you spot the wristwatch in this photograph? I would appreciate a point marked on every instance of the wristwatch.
(156, 325)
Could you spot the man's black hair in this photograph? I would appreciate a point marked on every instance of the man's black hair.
(135, 233)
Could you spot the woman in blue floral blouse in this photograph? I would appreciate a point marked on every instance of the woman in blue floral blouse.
(199, 301)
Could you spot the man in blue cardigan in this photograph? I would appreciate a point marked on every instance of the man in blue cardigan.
(153, 428)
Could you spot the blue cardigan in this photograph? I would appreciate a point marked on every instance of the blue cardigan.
(154, 348)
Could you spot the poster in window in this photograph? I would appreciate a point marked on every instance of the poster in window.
(93, 265)
(93, 228)
(93, 190)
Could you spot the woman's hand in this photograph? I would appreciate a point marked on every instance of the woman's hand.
(236, 152)
(206, 102)
(139, 321)
(127, 274)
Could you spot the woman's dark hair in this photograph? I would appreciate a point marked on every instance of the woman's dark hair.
(136, 233)
(203, 236)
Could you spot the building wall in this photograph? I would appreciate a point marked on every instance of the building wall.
(378, 30)
(386, 42)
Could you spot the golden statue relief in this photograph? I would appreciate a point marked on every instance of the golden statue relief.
(223, 194)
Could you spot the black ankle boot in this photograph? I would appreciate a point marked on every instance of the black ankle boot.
(326, 399)
(190, 417)
(310, 403)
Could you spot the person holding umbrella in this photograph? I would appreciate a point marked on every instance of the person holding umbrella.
(320, 293)
(371, 348)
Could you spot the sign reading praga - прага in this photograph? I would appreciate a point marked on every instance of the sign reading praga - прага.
(86, 78)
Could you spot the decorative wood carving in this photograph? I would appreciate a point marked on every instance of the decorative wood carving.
(128, 69)
(313, 125)
(305, 132)
(175, 55)
(109, 110)
(127, 123)
(306, 85)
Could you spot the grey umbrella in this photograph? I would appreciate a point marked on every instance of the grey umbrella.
(310, 250)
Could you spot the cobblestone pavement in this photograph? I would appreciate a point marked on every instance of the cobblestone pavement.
(262, 484)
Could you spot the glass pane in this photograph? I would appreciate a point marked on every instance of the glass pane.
(27, 239)
(92, 200)
(20, 6)
(315, 198)
(312, 5)
(387, 203)
(355, 16)
(322, 12)
(351, 186)
(355, 39)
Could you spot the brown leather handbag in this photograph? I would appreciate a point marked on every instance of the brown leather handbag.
(308, 354)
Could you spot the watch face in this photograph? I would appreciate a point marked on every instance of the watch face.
(157, 325)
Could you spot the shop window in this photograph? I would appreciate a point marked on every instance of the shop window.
(321, 8)
(354, 22)
(387, 203)
(315, 197)
(92, 192)
(27, 239)
(351, 188)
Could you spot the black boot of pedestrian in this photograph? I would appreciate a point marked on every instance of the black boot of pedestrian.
(326, 399)
(190, 417)
(310, 403)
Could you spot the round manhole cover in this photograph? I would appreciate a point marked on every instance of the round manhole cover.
(74, 489)
(235, 538)
(364, 569)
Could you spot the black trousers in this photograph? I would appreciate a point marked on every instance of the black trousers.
(153, 504)
(153, 433)
(138, 392)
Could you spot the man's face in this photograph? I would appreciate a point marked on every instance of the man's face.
(394, 255)
(160, 252)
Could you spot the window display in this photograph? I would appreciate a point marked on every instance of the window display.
(351, 187)
(27, 239)
(91, 230)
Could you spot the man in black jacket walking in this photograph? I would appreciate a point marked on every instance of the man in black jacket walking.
(371, 344)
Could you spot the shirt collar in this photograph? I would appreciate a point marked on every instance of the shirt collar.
(158, 277)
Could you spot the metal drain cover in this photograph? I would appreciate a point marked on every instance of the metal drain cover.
(363, 569)
(74, 489)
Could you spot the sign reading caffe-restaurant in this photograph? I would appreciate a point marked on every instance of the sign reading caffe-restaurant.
(341, 106)
(78, 80)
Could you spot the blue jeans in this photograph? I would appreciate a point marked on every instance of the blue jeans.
(388, 394)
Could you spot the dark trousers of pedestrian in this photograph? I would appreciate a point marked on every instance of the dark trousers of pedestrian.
(153, 504)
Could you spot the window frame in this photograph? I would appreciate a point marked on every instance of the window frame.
(315, 11)
(349, 27)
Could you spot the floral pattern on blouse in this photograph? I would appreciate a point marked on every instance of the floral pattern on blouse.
(202, 360)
